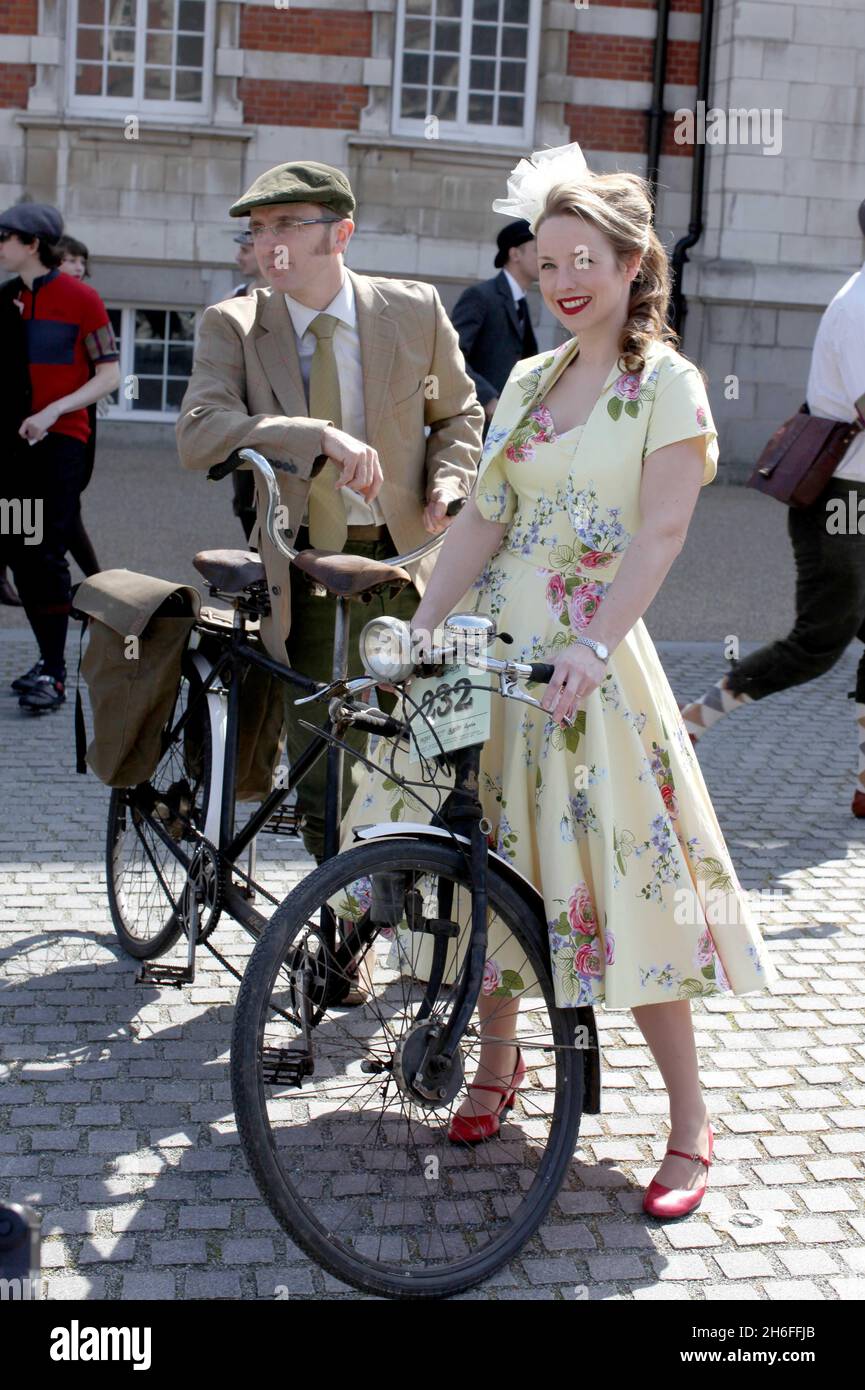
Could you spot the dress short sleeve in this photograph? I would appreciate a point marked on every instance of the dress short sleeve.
(681, 410)
(494, 497)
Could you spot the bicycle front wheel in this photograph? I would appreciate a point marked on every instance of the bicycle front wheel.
(366, 1175)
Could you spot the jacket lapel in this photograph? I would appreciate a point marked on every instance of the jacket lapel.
(504, 290)
(276, 348)
(378, 339)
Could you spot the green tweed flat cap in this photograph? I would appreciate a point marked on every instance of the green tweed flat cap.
(298, 183)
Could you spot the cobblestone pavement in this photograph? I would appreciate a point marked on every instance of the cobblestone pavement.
(115, 1114)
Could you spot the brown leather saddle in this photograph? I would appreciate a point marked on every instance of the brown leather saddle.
(348, 576)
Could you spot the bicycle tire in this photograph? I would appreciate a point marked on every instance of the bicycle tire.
(120, 805)
(249, 1096)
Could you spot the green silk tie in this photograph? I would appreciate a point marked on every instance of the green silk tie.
(327, 525)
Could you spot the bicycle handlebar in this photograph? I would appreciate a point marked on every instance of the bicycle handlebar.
(265, 469)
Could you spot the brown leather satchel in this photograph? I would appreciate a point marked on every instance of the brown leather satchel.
(802, 456)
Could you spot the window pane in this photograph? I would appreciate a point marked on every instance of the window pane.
(446, 72)
(174, 393)
(191, 16)
(447, 38)
(418, 6)
(157, 84)
(483, 39)
(119, 82)
(487, 9)
(180, 359)
(149, 359)
(181, 324)
(188, 85)
(91, 11)
(413, 103)
(514, 42)
(418, 35)
(121, 14)
(160, 14)
(415, 68)
(511, 111)
(89, 44)
(516, 11)
(450, 8)
(159, 49)
(481, 110)
(121, 44)
(149, 323)
(88, 80)
(444, 105)
(512, 77)
(149, 394)
(190, 51)
(482, 76)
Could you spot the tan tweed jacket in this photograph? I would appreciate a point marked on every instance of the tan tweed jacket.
(246, 389)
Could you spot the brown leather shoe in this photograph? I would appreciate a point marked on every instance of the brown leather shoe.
(858, 805)
(8, 595)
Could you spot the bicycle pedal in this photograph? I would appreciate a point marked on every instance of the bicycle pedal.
(283, 1066)
(158, 975)
(286, 822)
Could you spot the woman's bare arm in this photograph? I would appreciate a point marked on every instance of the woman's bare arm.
(470, 543)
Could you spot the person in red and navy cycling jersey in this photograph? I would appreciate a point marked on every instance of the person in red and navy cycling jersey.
(55, 333)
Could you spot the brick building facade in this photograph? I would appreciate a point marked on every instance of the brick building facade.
(143, 119)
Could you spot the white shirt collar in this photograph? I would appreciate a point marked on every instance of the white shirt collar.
(342, 306)
(516, 290)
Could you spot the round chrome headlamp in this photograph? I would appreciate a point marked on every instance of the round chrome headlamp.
(385, 650)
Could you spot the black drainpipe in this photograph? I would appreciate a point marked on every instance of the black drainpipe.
(678, 303)
(656, 111)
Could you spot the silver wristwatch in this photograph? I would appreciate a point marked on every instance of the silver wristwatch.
(597, 647)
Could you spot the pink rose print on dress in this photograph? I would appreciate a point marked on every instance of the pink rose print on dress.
(588, 960)
(669, 797)
(556, 595)
(519, 453)
(546, 428)
(581, 911)
(610, 944)
(701, 417)
(627, 388)
(596, 559)
(492, 977)
(705, 950)
(584, 604)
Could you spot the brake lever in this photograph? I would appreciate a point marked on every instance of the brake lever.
(357, 686)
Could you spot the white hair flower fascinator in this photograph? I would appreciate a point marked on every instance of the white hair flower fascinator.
(530, 182)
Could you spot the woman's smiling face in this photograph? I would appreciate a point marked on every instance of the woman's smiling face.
(583, 285)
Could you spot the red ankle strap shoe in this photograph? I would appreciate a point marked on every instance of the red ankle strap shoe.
(670, 1203)
(476, 1129)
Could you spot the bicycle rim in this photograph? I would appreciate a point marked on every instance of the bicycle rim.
(356, 1169)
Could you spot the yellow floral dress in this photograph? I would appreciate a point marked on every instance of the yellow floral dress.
(611, 820)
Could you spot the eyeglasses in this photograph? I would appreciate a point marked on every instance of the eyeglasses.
(6, 236)
(286, 225)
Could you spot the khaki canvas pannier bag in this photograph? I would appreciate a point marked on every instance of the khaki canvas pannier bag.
(138, 628)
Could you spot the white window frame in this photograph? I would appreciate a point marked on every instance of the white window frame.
(461, 128)
(179, 111)
(127, 360)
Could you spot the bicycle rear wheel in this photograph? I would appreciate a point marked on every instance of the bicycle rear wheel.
(147, 883)
(355, 1166)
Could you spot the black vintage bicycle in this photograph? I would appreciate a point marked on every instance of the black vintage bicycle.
(346, 1117)
(174, 853)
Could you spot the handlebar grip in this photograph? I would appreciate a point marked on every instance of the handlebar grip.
(542, 672)
(222, 470)
(379, 724)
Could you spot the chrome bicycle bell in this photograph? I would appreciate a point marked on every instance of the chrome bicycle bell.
(469, 634)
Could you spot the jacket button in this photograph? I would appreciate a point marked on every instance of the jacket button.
(275, 590)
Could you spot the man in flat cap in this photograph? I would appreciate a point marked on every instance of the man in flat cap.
(357, 386)
(61, 357)
(492, 318)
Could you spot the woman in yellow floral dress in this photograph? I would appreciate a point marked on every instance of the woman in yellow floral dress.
(590, 473)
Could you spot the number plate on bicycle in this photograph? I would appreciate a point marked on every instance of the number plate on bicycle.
(454, 711)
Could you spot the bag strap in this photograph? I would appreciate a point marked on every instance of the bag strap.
(80, 730)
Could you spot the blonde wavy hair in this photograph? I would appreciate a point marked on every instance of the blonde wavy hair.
(620, 206)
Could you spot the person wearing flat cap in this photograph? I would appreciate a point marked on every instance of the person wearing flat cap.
(492, 318)
(61, 357)
(356, 385)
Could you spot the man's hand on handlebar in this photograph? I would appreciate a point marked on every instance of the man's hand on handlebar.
(436, 517)
(359, 462)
